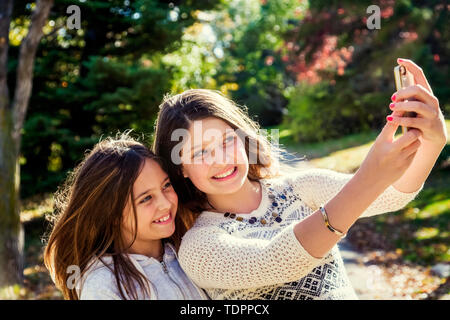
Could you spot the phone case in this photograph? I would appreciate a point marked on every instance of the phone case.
(403, 79)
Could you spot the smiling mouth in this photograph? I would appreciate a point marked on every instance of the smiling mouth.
(164, 220)
(230, 172)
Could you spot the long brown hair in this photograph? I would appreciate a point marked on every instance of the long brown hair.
(87, 218)
(178, 112)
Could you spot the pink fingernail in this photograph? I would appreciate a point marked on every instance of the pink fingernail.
(392, 105)
(390, 118)
(400, 60)
(393, 97)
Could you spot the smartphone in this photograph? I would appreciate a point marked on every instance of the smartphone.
(403, 79)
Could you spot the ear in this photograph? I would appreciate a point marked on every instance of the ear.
(183, 172)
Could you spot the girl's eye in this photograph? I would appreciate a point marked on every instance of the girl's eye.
(167, 185)
(229, 139)
(147, 198)
(199, 153)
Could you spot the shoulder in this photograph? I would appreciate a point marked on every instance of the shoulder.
(302, 177)
(203, 225)
(315, 176)
(99, 283)
(311, 184)
(207, 220)
(204, 234)
(315, 172)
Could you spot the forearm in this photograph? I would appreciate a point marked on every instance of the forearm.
(343, 210)
(420, 168)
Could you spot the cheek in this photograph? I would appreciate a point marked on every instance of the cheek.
(127, 224)
(146, 228)
(242, 157)
(172, 197)
(144, 215)
(197, 171)
(198, 174)
(127, 219)
(240, 154)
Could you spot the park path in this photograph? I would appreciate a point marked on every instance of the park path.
(367, 280)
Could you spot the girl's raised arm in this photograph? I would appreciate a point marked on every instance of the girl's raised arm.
(215, 259)
(318, 186)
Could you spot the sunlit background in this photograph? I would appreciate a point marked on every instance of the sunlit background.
(311, 69)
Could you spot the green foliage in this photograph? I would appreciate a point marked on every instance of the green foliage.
(358, 86)
(304, 117)
(252, 58)
(108, 76)
(322, 111)
(112, 74)
(121, 95)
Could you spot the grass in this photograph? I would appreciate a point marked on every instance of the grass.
(315, 150)
(420, 231)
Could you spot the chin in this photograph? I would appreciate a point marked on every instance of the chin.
(170, 230)
(231, 189)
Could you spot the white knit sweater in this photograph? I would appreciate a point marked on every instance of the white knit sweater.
(233, 259)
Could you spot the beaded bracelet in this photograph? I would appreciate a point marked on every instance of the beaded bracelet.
(327, 223)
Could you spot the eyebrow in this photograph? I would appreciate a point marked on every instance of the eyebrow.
(196, 147)
(148, 190)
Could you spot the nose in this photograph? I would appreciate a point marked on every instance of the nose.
(221, 155)
(164, 203)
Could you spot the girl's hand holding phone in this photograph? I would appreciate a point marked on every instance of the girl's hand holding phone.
(430, 120)
(388, 159)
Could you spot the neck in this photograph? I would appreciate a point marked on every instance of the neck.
(151, 249)
(245, 200)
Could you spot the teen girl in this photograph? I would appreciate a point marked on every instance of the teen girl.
(115, 229)
(263, 234)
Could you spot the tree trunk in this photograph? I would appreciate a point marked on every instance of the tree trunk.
(12, 117)
(11, 235)
(5, 19)
(27, 55)
(11, 231)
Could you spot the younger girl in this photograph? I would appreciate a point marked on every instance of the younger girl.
(263, 234)
(117, 212)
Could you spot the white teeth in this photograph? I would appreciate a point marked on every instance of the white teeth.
(226, 174)
(163, 219)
